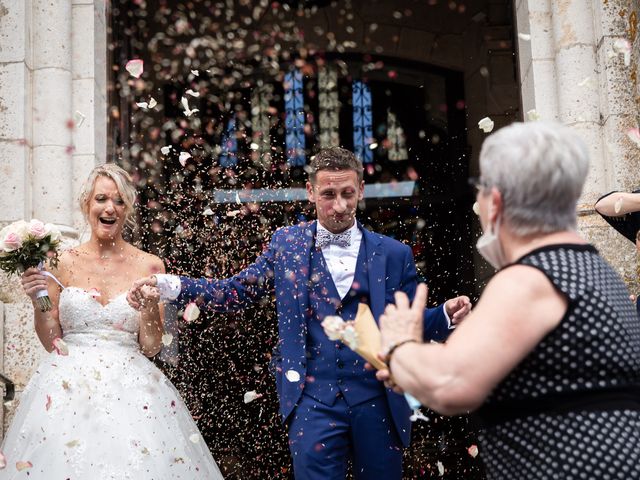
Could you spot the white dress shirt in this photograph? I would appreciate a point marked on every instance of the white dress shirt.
(341, 261)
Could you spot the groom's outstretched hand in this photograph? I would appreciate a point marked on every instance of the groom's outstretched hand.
(137, 295)
(458, 308)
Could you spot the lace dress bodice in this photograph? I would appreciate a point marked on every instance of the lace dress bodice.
(84, 320)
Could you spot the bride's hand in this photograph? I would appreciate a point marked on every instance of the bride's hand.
(33, 281)
(149, 297)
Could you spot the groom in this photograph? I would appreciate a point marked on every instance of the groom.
(334, 409)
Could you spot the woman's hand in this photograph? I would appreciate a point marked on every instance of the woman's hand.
(149, 297)
(403, 322)
(33, 281)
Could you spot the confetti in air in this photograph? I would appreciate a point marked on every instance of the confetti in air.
(135, 67)
(60, 347)
(486, 125)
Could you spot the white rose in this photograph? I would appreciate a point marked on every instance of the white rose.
(350, 336)
(333, 326)
(51, 230)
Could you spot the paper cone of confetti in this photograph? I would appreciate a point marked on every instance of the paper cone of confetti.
(369, 337)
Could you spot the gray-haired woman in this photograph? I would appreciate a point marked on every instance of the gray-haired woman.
(550, 356)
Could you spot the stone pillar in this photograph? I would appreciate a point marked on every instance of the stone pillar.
(569, 73)
(52, 64)
(52, 117)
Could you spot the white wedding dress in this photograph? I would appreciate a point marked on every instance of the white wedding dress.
(104, 411)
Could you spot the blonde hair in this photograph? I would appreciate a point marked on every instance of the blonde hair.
(123, 182)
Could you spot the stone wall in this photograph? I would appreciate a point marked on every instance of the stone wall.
(52, 132)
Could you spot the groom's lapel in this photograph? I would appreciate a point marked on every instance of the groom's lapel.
(376, 261)
(301, 265)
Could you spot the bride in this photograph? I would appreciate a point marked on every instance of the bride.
(96, 407)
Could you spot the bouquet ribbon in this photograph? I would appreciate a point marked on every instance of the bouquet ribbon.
(43, 293)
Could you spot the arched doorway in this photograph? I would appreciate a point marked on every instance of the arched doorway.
(272, 82)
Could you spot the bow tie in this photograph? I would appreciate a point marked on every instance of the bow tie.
(325, 238)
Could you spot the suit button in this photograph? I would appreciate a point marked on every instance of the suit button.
(340, 364)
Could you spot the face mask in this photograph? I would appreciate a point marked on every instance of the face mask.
(489, 247)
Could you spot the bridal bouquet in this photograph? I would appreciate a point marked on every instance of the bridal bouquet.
(363, 336)
(28, 244)
(360, 335)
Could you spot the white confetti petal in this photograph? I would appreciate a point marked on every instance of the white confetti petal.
(192, 93)
(533, 116)
(251, 396)
(194, 438)
(292, 376)
(184, 156)
(135, 67)
(207, 211)
(486, 124)
(476, 208)
(152, 102)
(167, 338)
(524, 36)
(440, 468)
(142, 104)
(185, 104)
(191, 313)
(618, 205)
(418, 415)
(195, 73)
(79, 118)
(165, 150)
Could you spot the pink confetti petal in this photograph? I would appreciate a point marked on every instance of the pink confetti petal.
(473, 451)
(251, 396)
(634, 136)
(135, 67)
(48, 405)
(60, 347)
(94, 292)
(3, 461)
(191, 313)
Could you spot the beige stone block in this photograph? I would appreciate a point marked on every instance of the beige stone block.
(573, 65)
(545, 91)
(613, 82)
(82, 41)
(51, 107)
(572, 23)
(607, 20)
(51, 184)
(22, 349)
(14, 88)
(52, 34)
(527, 90)
(621, 154)
(83, 136)
(591, 135)
(541, 31)
(13, 31)
(14, 158)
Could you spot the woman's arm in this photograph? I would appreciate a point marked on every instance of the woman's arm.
(46, 324)
(517, 309)
(152, 314)
(617, 204)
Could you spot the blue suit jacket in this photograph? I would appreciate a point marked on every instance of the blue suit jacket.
(283, 269)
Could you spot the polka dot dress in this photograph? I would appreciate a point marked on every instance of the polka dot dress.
(569, 410)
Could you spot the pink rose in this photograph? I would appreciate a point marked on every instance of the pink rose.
(37, 229)
(11, 242)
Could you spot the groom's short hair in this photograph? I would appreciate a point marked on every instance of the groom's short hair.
(335, 158)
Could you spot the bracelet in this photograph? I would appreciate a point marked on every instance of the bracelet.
(394, 347)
